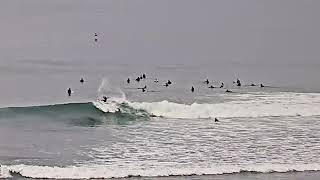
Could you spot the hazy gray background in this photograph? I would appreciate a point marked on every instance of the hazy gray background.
(44, 42)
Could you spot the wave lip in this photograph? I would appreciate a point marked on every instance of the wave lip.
(97, 172)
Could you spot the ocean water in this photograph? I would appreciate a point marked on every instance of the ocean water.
(166, 132)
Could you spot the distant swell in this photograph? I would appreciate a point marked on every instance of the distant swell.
(96, 172)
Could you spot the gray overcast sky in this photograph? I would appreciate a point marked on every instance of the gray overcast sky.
(166, 31)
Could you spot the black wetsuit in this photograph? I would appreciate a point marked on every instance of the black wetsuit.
(69, 91)
(238, 82)
(104, 99)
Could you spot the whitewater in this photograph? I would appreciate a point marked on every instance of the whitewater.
(239, 105)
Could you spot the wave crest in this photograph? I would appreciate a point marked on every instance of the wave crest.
(245, 105)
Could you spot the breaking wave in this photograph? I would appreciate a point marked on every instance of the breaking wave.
(241, 105)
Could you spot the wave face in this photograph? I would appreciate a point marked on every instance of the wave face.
(100, 172)
(78, 114)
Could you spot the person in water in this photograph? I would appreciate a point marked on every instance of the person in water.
(261, 85)
(143, 76)
(192, 89)
(82, 80)
(95, 37)
(169, 82)
(238, 82)
(69, 92)
(206, 81)
(211, 87)
(222, 85)
(104, 99)
(166, 85)
(128, 81)
(216, 120)
(228, 91)
(138, 79)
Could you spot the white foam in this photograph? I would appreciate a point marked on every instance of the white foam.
(246, 105)
(115, 97)
(112, 104)
(87, 172)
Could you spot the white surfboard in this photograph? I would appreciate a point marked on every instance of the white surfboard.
(111, 106)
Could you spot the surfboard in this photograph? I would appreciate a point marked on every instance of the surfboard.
(108, 107)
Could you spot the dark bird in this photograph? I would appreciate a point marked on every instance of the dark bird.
(216, 120)
(128, 80)
(206, 81)
(82, 80)
(192, 89)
